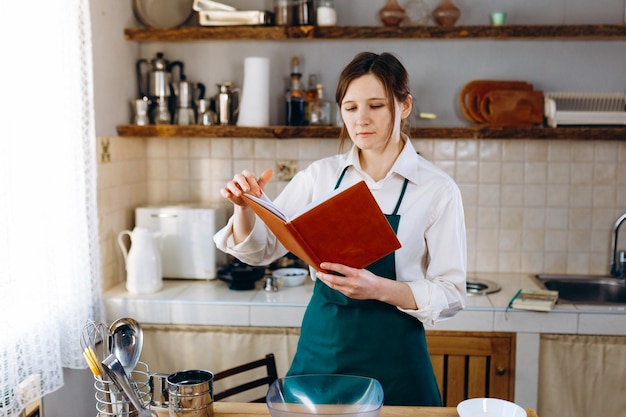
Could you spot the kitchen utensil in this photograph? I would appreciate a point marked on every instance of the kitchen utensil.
(154, 76)
(185, 91)
(584, 108)
(126, 342)
(240, 276)
(143, 261)
(184, 116)
(206, 116)
(290, 277)
(140, 109)
(512, 107)
(159, 395)
(190, 393)
(227, 104)
(336, 395)
(163, 13)
(94, 342)
(489, 407)
(473, 92)
(115, 371)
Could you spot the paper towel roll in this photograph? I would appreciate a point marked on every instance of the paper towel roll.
(254, 109)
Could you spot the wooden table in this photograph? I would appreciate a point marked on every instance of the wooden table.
(231, 409)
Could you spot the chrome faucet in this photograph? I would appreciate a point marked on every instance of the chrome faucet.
(618, 269)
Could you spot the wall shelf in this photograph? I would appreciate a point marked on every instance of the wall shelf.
(281, 33)
(331, 132)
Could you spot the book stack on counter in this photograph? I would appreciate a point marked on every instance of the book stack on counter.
(534, 299)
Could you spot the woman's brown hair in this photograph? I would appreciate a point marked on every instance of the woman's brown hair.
(388, 70)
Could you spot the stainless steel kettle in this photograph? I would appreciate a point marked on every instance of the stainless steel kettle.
(154, 77)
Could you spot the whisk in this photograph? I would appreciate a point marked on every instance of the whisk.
(94, 341)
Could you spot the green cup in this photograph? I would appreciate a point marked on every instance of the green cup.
(498, 18)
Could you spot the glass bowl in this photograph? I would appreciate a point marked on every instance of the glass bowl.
(489, 407)
(325, 395)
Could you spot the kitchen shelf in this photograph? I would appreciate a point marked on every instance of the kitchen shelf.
(331, 132)
(282, 33)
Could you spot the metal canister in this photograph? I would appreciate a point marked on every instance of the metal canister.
(190, 393)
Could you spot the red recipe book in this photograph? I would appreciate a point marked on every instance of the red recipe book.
(346, 227)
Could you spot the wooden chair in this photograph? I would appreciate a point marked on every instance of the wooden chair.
(269, 362)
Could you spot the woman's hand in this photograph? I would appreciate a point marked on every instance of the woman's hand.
(243, 216)
(361, 284)
(245, 182)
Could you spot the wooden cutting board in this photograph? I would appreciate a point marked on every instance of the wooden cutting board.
(512, 107)
(474, 91)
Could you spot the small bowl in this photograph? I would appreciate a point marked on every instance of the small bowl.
(489, 407)
(325, 394)
(290, 277)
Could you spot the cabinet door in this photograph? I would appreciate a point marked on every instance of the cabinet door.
(473, 364)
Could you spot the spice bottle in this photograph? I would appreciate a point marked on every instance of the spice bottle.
(320, 109)
(294, 99)
(326, 13)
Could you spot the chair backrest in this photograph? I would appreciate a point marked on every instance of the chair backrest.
(269, 362)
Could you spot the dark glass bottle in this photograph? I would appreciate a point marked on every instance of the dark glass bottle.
(295, 98)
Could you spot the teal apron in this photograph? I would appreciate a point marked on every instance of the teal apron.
(340, 335)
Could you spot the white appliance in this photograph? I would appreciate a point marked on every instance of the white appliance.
(186, 238)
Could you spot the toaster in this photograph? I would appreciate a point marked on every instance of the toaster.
(185, 239)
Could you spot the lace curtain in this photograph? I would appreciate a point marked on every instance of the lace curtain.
(49, 254)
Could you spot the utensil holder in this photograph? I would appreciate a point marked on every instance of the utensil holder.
(111, 402)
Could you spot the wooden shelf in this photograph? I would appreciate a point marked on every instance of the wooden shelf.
(331, 132)
(281, 33)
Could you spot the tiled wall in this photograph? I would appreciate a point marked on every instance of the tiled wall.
(530, 205)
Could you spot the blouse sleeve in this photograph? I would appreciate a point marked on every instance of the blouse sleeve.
(442, 293)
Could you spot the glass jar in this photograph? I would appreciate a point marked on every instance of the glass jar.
(326, 13)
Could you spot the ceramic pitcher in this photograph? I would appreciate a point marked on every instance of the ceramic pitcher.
(143, 262)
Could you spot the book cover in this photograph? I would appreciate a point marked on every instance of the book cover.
(346, 227)
(534, 299)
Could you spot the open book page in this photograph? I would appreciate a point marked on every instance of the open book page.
(266, 202)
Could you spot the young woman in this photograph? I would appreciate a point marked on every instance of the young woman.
(370, 322)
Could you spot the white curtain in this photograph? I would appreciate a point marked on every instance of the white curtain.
(49, 254)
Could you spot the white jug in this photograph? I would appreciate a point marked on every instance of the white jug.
(143, 262)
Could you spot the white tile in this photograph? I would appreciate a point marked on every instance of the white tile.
(613, 324)
(223, 314)
(537, 322)
(468, 320)
(144, 311)
(277, 315)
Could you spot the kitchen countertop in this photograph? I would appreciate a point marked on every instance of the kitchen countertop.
(231, 409)
(210, 302)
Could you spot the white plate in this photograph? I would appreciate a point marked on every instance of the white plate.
(163, 13)
(489, 407)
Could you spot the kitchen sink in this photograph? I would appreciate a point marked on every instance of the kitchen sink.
(585, 289)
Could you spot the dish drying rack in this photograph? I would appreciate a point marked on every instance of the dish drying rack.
(588, 108)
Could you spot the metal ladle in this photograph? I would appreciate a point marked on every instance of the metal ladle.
(126, 342)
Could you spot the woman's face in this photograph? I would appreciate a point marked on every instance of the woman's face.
(365, 113)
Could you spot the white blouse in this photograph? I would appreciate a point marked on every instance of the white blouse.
(433, 256)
